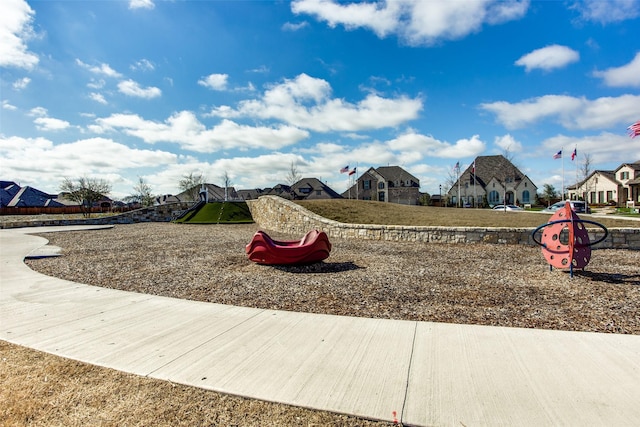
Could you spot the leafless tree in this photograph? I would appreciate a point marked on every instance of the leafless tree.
(450, 181)
(141, 193)
(85, 191)
(227, 183)
(586, 168)
(191, 183)
(293, 175)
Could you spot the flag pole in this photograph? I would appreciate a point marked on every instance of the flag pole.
(562, 159)
(355, 180)
(458, 173)
(475, 193)
(575, 156)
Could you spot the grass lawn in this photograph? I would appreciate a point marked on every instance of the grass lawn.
(368, 212)
(219, 213)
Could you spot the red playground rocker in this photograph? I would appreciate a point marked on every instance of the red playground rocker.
(565, 240)
(313, 247)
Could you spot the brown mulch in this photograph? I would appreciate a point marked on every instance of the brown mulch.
(481, 284)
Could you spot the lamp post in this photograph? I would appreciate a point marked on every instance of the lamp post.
(440, 193)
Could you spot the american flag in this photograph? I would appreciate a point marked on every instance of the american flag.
(634, 129)
(558, 155)
(344, 169)
(457, 166)
(574, 154)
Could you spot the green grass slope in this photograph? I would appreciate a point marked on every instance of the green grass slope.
(219, 213)
(370, 212)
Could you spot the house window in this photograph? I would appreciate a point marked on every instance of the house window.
(525, 184)
(494, 196)
(525, 196)
(609, 196)
(624, 175)
(494, 185)
(367, 184)
(381, 196)
(318, 192)
(381, 187)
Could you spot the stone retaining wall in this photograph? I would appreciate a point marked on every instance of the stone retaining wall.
(277, 214)
(160, 213)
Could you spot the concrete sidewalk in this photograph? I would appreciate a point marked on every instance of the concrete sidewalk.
(425, 373)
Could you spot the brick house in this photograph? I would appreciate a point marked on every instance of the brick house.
(620, 186)
(386, 184)
(494, 181)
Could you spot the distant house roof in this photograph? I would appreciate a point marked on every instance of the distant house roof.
(214, 192)
(313, 188)
(30, 197)
(8, 190)
(250, 194)
(281, 190)
(396, 173)
(490, 167)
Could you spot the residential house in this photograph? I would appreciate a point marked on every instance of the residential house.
(620, 186)
(208, 192)
(312, 189)
(492, 180)
(304, 189)
(12, 195)
(386, 184)
(250, 194)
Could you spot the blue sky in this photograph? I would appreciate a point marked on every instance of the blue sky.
(158, 89)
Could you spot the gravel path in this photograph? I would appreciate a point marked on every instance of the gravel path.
(477, 284)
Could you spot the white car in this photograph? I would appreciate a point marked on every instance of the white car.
(507, 208)
(576, 205)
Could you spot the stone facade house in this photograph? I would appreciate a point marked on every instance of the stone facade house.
(304, 189)
(620, 186)
(492, 180)
(386, 184)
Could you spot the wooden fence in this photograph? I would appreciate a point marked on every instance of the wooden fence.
(41, 210)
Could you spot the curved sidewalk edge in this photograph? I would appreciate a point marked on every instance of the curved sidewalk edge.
(425, 373)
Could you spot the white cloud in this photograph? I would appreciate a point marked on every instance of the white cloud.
(290, 26)
(215, 81)
(607, 11)
(381, 19)
(143, 65)
(184, 128)
(627, 75)
(51, 124)
(21, 83)
(131, 88)
(261, 70)
(548, 58)
(570, 112)
(508, 143)
(141, 4)
(102, 69)
(416, 22)
(419, 146)
(15, 30)
(96, 84)
(306, 102)
(98, 97)
(603, 148)
(7, 106)
(38, 112)
(39, 161)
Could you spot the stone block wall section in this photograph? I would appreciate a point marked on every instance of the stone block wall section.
(160, 213)
(277, 214)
